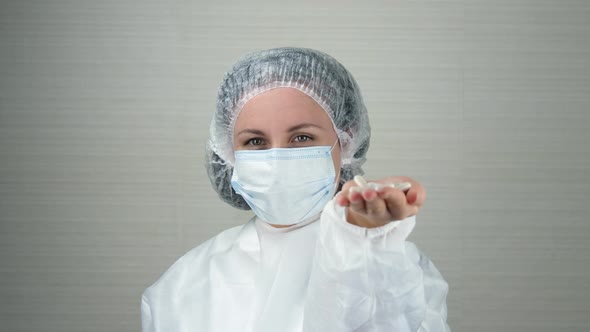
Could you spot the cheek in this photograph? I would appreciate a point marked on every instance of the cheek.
(236, 145)
(337, 161)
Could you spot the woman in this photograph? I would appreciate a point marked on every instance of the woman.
(290, 130)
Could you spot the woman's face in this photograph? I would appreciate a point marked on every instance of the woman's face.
(284, 118)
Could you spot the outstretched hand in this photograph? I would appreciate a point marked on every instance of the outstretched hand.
(378, 204)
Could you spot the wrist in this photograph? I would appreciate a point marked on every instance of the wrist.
(359, 220)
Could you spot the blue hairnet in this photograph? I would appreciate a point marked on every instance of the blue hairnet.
(316, 74)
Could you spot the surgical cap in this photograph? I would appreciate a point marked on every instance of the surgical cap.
(314, 73)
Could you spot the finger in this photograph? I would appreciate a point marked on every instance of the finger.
(341, 199)
(412, 197)
(357, 202)
(395, 201)
(348, 184)
(416, 195)
(374, 205)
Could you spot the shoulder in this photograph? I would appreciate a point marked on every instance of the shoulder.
(192, 267)
(416, 255)
(423, 261)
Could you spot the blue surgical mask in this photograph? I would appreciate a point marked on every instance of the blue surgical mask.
(285, 186)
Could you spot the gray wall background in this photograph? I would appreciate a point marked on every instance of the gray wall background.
(104, 112)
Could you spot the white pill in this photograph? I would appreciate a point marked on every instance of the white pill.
(375, 186)
(355, 189)
(360, 181)
(403, 186)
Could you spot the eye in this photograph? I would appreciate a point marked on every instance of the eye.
(254, 141)
(302, 138)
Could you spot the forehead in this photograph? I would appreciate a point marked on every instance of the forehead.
(282, 107)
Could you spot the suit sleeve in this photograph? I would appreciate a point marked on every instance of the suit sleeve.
(372, 280)
(147, 324)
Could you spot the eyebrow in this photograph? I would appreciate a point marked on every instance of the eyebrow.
(251, 131)
(303, 126)
(292, 129)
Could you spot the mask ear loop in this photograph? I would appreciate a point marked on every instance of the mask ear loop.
(334, 145)
(337, 177)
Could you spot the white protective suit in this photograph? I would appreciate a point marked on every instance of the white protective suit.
(319, 275)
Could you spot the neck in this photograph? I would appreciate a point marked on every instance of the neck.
(280, 226)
